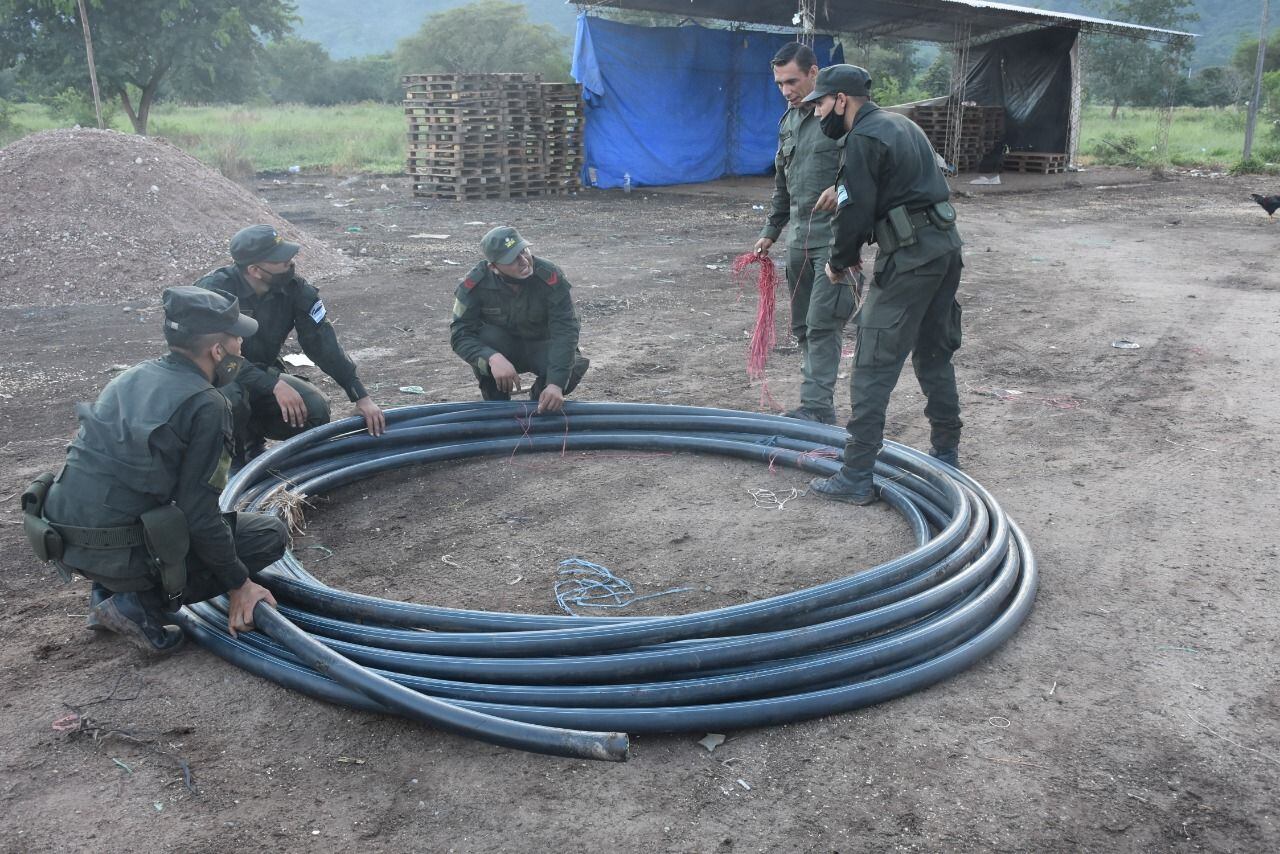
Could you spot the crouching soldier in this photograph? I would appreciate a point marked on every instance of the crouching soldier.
(135, 507)
(513, 314)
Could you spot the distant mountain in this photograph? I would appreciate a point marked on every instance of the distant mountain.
(1221, 26)
(349, 28)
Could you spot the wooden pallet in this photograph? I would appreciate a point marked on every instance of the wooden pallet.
(1042, 162)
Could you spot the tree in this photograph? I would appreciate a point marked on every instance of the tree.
(1218, 86)
(488, 36)
(1126, 71)
(137, 43)
(1245, 56)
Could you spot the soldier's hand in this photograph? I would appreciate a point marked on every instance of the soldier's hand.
(241, 604)
(763, 245)
(551, 399)
(504, 373)
(293, 409)
(374, 421)
(835, 276)
(826, 201)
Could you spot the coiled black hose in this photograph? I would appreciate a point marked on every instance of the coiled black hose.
(571, 686)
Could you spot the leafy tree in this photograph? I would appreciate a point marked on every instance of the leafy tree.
(302, 72)
(137, 43)
(367, 78)
(1125, 71)
(487, 36)
(936, 79)
(1218, 86)
(298, 72)
(1245, 57)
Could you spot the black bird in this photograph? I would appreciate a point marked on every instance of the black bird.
(1270, 204)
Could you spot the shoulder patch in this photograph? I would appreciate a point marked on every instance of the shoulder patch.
(468, 283)
(552, 278)
(317, 312)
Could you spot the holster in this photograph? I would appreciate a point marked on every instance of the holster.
(45, 540)
(898, 227)
(168, 539)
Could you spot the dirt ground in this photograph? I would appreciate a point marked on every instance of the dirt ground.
(1137, 710)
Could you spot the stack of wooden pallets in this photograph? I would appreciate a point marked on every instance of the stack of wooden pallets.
(523, 125)
(492, 136)
(562, 103)
(981, 130)
(457, 147)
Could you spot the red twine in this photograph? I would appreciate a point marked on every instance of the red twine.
(763, 336)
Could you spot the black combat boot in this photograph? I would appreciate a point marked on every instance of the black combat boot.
(127, 615)
(804, 413)
(950, 456)
(855, 489)
(97, 595)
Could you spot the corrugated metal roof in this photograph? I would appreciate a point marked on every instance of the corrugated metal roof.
(924, 20)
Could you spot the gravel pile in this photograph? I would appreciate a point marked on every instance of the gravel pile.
(93, 216)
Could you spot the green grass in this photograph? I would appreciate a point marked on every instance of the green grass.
(1204, 137)
(241, 140)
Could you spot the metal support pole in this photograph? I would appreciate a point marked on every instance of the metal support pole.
(806, 10)
(1077, 101)
(1257, 81)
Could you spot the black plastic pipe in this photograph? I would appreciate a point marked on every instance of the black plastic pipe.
(570, 686)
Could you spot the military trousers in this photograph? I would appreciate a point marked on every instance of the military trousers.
(913, 312)
(529, 356)
(819, 311)
(261, 539)
(256, 417)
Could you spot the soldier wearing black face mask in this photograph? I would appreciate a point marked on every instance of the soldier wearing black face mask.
(267, 402)
(891, 193)
(135, 507)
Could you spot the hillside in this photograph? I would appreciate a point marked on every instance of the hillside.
(374, 26)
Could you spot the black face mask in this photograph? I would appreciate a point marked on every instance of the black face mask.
(833, 125)
(225, 371)
(279, 280)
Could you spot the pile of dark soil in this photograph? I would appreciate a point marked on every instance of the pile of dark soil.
(94, 216)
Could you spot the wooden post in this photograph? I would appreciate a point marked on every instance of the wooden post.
(93, 69)
(1257, 82)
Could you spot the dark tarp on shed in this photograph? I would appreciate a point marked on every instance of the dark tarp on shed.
(1028, 74)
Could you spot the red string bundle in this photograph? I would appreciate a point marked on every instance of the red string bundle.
(763, 336)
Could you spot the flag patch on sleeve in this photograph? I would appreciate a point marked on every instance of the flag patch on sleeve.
(317, 311)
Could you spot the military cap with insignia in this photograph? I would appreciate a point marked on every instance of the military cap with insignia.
(260, 244)
(197, 311)
(502, 244)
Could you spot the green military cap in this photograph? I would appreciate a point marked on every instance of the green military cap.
(261, 243)
(198, 311)
(502, 244)
(849, 79)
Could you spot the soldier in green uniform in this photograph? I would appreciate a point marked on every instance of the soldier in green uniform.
(806, 166)
(267, 402)
(135, 507)
(513, 314)
(890, 192)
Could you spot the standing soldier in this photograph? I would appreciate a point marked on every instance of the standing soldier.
(891, 192)
(806, 165)
(267, 402)
(135, 507)
(513, 313)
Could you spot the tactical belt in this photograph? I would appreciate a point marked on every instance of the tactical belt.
(121, 537)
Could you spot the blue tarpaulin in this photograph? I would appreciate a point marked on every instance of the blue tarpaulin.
(678, 105)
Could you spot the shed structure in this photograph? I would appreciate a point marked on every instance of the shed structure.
(653, 94)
